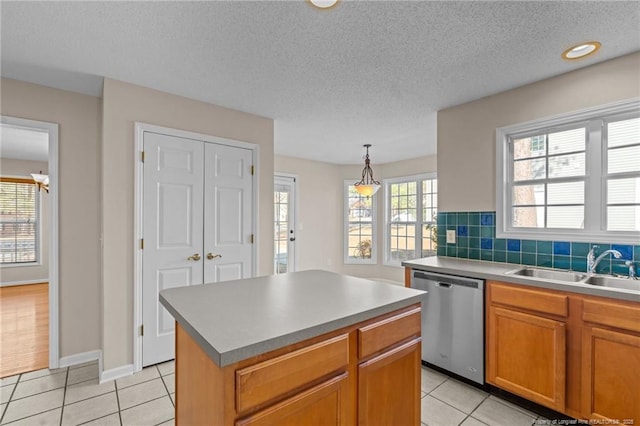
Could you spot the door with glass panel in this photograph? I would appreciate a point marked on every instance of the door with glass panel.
(284, 236)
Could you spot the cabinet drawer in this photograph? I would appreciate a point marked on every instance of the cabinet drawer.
(612, 314)
(383, 334)
(270, 379)
(530, 299)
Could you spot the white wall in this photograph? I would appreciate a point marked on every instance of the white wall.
(466, 133)
(38, 272)
(123, 105)
(319, 245)
(78, 117)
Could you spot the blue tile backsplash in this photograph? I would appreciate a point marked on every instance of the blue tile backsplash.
(476, 239)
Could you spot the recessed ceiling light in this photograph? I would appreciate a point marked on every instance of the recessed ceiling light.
(581, 50)
(323, 4)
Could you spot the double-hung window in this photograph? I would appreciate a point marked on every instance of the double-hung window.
(360, 223)
(410, 210)
(19, 227)
(573, 177)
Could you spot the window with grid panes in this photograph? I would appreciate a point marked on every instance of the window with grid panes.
(411, 207)
(19, 213)
(573, 177)
(360, 224)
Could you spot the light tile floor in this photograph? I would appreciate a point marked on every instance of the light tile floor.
(73, 396)
(449, 402)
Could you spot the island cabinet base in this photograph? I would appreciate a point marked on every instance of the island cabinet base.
(365, 374)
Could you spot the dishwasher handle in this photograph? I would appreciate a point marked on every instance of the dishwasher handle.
(443, 285)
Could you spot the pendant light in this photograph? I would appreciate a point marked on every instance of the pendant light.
(367, 185)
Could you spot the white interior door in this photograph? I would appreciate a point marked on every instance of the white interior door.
(172, 230)
(197, 204)
(284, 201)
(228, 213)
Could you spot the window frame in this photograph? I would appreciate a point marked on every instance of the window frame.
(387, 261)
(38, 224)
(595, 203)
(374, 230)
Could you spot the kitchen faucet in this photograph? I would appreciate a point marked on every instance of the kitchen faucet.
(592, 261)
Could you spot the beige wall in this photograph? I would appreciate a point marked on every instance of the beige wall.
(40, 272)
(466, 133)
(78, 117)
(319, 245)
(123, 105)
(319, 191)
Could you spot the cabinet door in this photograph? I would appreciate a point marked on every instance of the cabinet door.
(526, 356)
(389, 387)
(323, 405)
(610, 374)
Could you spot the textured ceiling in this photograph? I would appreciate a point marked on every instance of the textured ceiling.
(362, 72)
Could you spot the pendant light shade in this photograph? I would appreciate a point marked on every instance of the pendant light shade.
(367, 185)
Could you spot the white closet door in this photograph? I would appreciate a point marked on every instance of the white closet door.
(172, 230)
(228, 211)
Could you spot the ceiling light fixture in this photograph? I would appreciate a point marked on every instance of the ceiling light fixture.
(581, 50)
(367, 185)
(42, 181)
(323, 4)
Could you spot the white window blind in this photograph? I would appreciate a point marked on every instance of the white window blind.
(623, 175)
(19, 212)
(573, 177)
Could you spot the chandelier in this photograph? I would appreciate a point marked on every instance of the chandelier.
(367, 185)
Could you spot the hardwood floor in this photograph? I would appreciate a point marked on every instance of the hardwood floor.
(24, 328)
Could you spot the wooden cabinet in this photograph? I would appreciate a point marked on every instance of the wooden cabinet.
(385, 368)
(380, 378)
(610, 361)
(367, 374)
(325, 403)
(574, 353)
(526, 347)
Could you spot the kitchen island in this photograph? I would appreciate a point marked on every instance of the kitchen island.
(310, 347)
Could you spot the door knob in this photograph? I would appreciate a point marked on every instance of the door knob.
(213, 256)
(195, 257)
(292, 239)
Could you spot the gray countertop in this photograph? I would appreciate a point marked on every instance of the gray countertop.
(235, 320)
(496, 271)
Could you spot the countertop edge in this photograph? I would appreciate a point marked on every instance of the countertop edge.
(201, 341)
(246, 352)
(431, 265)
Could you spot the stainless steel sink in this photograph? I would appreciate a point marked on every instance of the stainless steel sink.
(613, 282)
(548, 274)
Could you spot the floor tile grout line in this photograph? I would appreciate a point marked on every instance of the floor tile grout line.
(457, 408)
(97, 418)
(513, 407)
(142, 403)
(139, 383)
(37, 393)
(166, 388)
(115, 385)
(64, 396)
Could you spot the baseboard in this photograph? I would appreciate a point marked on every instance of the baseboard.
(116, 373)
(81, 358)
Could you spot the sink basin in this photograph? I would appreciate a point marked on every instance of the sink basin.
(548, 274)
(614, 282)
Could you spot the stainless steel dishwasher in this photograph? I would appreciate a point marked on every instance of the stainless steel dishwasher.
(453, 323)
